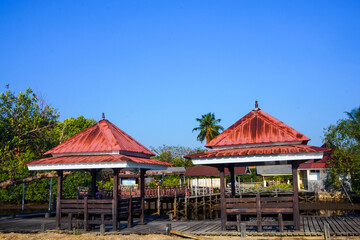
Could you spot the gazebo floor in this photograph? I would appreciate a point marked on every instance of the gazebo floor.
(348, 225)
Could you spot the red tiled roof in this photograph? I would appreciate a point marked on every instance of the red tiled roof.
(312, 164)
(211, 171)
(257, 127)
(100, 137)
(95, 159)
(259, 151)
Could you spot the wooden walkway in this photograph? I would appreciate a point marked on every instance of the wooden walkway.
(348, 225)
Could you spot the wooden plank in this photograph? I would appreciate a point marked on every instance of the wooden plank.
(277, 205)
(58, 199)
(243, 211)
(240, 200)
(276, 199)
(316, 224)
(277, 210)
(241, 205)
(306, 225)
(354, 226)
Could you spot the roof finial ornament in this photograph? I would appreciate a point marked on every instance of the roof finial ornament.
(256, 105)
(103, 116)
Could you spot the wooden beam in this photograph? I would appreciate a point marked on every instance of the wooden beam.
(58, 198)
(222, 198)
(295, 166)
(142, 195)
(115, 198)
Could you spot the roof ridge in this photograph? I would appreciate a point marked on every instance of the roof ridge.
(105, 135)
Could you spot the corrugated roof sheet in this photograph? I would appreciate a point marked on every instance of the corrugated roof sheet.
(258, 151)
(100, 137)
(211, 171)
(312, 164)
(257, 127)
(96, 159)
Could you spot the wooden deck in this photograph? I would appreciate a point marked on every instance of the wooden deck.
(348, 225)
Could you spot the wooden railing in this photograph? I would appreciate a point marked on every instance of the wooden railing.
(260, 206)
(99, 211)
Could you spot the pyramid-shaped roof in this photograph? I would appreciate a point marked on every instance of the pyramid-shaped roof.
(100, 137)
(257, 127)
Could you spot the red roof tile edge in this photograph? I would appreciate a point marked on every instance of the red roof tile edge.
(96, 159)
(259, 151)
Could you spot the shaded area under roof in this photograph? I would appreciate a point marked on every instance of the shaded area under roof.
(257, 127)
(212, 171)
(101, 137)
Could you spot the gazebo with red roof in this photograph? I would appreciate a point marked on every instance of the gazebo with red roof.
(258, 139)
(101, 146)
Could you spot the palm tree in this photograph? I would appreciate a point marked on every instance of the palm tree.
(208, 127)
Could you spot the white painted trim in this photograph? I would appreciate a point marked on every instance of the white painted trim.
(85, 153)
(258, 158)
(102, 165)
(255, 145)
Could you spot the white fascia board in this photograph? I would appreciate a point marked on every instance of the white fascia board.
(79, 166)
(258, 158)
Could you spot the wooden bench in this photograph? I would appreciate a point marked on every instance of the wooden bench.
(97, 211)
(87, 209)
(260, 207)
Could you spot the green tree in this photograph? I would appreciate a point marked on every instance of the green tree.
(174, 154)
(208, 127)
(24, 122)
(28, 128)
(344, 138)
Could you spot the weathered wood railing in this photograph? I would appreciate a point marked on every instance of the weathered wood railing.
(99, 211)
(259, 207)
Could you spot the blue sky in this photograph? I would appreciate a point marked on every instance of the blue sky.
(155, 66)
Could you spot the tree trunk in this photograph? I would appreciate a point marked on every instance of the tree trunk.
(11, 182)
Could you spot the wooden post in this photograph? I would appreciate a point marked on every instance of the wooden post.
(58, 198)
(130, 217)
(142, 195)
(232, 179)
(175, 203)
(296, 210)
(115, 198)
(186, 206)
(243, 230)
(93, 183)
(158, 201)
(326, 231)
(222, 198)
(258, 212)
(86, 214)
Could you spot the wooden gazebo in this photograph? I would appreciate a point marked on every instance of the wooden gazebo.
(258, 139)
(101, 146)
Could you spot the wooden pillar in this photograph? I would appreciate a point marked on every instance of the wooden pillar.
(296, 210)
(58, 198)
(93, 183)
(232, 179)
(222, 198)
(115, 198)
(142, 195)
